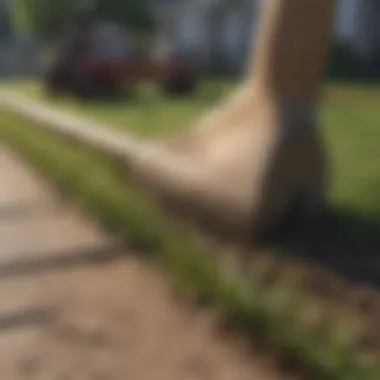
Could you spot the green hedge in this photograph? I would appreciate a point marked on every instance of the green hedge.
(271, 314)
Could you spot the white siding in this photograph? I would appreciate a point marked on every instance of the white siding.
(190, 30)
(346, 23)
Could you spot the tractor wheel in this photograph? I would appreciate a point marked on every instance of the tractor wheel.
(86, 88)
(180, 85)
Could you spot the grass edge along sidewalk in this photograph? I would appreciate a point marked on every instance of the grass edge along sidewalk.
(270, 314)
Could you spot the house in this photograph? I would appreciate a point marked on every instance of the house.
(365, 37)
(216, 32)
(219, 32)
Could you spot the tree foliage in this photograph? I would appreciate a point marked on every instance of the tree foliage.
(132, 13)
(49, 17)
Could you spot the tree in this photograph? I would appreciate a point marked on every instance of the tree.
(5, 26)
(131, 13)
(47, 17)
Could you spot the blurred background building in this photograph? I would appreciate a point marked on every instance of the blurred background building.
(17, 44)
(219, 31)
(215, 33)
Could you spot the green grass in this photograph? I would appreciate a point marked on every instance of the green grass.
(270, 313)
(148, 114)
(350, 118)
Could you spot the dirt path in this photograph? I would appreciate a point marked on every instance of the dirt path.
(65, 317)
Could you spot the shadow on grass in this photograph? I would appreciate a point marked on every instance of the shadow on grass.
(343, 241)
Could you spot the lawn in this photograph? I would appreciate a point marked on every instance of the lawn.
(350, 118)
(147, 114)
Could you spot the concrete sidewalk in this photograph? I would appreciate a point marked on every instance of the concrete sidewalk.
(63, 316)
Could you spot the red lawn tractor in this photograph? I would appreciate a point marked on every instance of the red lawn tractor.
(100, 62)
